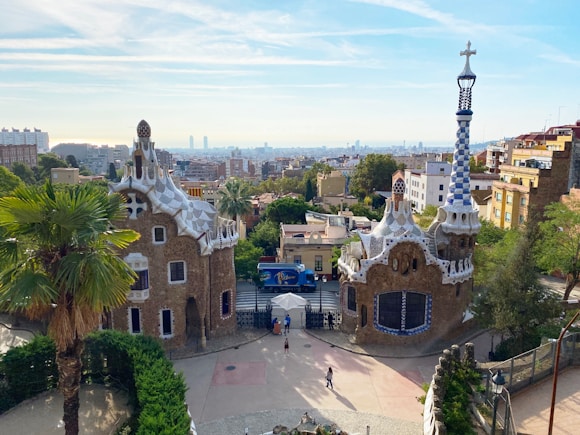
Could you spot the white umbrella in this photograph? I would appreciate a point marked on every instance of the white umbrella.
(288, 301)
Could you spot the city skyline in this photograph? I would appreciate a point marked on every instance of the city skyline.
(299, 73)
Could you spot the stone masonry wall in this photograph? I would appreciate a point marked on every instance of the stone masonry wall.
(448, 301)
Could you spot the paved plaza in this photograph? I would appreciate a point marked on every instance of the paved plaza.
(246, 381)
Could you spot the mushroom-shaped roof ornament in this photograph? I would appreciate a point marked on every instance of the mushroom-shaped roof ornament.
(143, 129)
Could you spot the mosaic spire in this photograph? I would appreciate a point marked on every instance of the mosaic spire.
(459, 193)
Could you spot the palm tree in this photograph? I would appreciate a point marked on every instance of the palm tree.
(235, 199)
(58, 262)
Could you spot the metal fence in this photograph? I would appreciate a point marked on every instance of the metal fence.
(263, 318)
(260, 319)
(525, 370)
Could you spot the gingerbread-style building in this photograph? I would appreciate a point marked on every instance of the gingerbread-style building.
(402, 285)
(186, 290)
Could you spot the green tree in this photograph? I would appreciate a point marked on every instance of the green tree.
(426, 218)
(46, 162)
(8, 181)
(235, 199)
(83, 170)
(266, 235)
(476, 167)
(514, 303)
(23, 171)
(309, 193)
(58, 260)
(489, 234)
(560, 247)
(287, 210)
(373, 172)
(360, 209)
(246, 259)
(71, 161)
(290, 185)
(112, 172)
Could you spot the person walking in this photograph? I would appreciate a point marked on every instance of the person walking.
(330, 321)
(287, 321)
(286, 346)
(329, 378)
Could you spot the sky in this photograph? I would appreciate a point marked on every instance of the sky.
(287, 72)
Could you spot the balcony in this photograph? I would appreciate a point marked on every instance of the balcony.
(288, 241)
(138, 295)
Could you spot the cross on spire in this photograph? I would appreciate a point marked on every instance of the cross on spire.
(468, 52)
(467, 73)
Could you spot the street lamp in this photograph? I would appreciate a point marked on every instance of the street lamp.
(320, 295)
(497, 383)
(317, 279)
(556, 368)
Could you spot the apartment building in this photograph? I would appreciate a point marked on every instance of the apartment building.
(312, 243)
(540, 171)
(21, 146)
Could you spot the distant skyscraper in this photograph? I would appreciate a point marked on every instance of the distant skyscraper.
(205, 145)
(190, 142)
(25, 137)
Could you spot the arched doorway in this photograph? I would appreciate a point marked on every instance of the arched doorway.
(192, 321)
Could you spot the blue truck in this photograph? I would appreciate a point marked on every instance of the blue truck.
(284, 277)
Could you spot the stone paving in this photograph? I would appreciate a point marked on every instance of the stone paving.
(375, 386)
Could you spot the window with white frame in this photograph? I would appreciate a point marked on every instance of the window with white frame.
(508, 216)
(176, 272)
(166, 322)
(497, 213)
(509, 199)
(134, 320)
(140, 264)
(159, 235)
(318, 263)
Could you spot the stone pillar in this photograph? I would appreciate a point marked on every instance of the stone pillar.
(469, 355)
(456, 353)
(203, 341)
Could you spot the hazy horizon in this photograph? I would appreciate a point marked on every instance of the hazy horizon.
(297, 73)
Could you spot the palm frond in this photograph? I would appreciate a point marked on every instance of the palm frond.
(22, 287)
(96, 278)
(120, 238)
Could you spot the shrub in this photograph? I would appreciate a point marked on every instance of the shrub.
(27, 371)
(456, 402)
(135, 363)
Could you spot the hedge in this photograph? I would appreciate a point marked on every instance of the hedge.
(135, 363)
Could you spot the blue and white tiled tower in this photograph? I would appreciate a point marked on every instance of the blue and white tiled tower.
(402, 285)
(458, 215)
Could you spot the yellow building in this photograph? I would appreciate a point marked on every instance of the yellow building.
(332, 184)
(538, 174)
(65, 175)
(311, 244)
